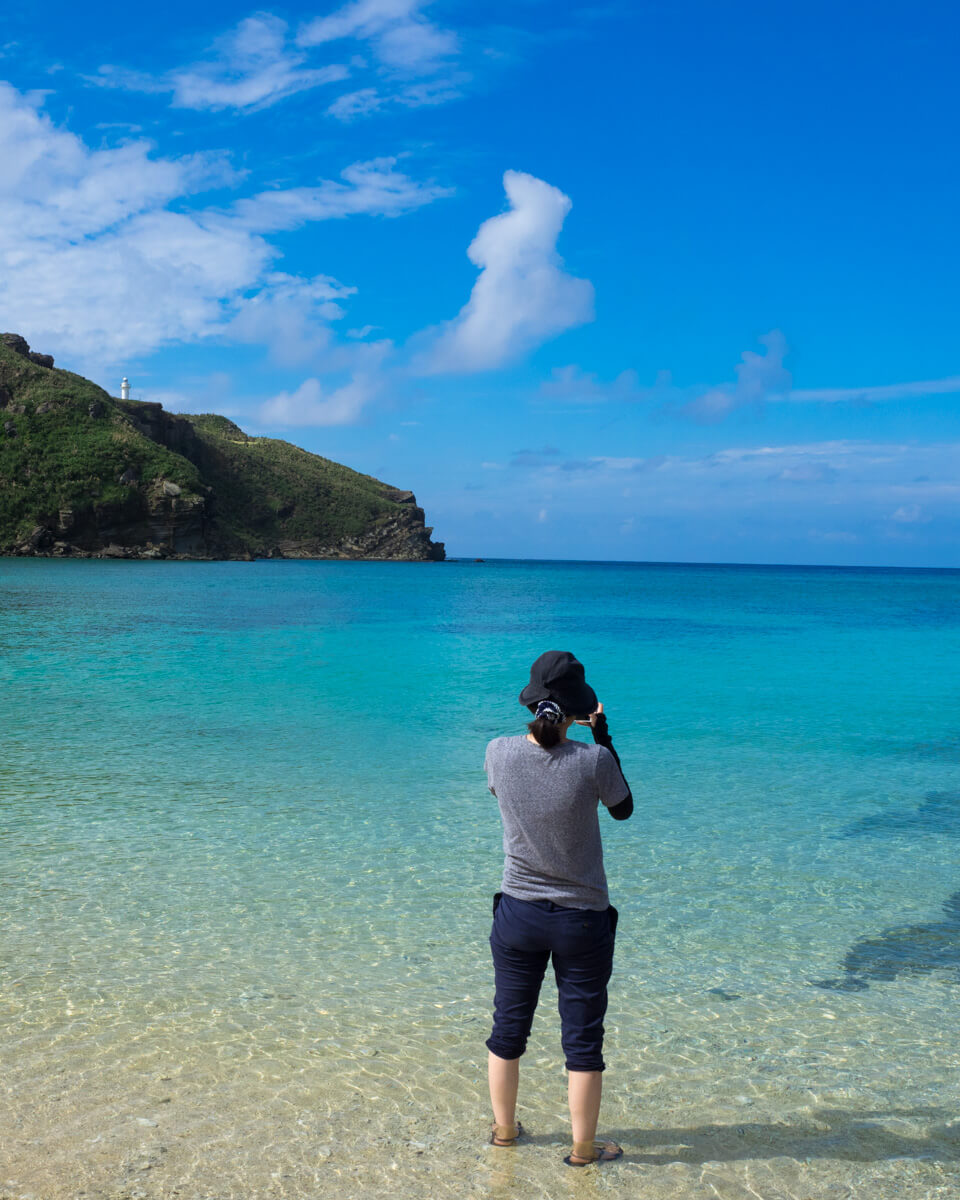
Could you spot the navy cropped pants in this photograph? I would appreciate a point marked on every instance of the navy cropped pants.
(525, 934)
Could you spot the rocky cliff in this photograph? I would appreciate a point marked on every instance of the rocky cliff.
(83, 474)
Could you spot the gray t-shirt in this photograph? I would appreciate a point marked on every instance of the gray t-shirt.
(548, 802)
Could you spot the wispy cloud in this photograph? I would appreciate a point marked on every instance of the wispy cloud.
(399, 35)
(253, 66)
(408, 60)
(523, 296)
(534, 458)
(610, 462)
(764, 379)
(374, 187)
(843, 492)
(760, 378)
(915, 468)
(876, 394)
(360, 103)
(875, 453)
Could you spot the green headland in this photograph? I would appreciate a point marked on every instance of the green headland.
(85, 474)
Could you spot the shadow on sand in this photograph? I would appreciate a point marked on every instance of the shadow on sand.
(902, 950)
(829, 1133)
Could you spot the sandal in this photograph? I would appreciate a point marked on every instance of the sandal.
(593, 1152)
(506, 1135)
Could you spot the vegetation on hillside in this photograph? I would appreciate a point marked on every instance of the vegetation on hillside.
(82, 466)
(64, 444)
(263, 484)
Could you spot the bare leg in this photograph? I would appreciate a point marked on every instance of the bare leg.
(504, 1076)
(584, 1089)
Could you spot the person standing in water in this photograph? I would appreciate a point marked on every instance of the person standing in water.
(553, 899)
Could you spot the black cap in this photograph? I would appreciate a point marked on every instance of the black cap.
(558, 676)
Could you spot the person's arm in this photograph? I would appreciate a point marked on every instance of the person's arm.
(601, 735)
(623, 810)
(488, 770)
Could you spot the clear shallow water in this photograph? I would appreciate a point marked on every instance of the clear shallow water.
(247, 853)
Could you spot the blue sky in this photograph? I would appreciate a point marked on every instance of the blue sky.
(624, 281)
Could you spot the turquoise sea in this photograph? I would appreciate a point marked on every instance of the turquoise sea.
(247, 857)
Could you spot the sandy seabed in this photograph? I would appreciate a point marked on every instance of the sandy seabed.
(157, 1113)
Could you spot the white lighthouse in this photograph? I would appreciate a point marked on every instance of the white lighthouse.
(124, 388)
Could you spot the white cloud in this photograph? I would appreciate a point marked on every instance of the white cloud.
(290, 315)
(523, 296)
(416, 45)
(360, 103)
(414, 58)
(310, 404)
(96, 266)
(251, 67)
(373, 187)
(361, 365)
(759, 377)
(53, 186)
(399, 35)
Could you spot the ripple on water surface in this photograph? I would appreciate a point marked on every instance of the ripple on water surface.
(247, 856)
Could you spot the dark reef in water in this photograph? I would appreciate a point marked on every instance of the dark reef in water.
(939, 813)
(902, 950)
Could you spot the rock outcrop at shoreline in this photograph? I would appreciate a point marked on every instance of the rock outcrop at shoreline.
(86, 475)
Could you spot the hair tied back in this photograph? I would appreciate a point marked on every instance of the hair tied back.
(549, 710)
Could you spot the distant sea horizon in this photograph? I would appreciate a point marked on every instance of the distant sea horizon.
(677, 562)
(492, 558)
